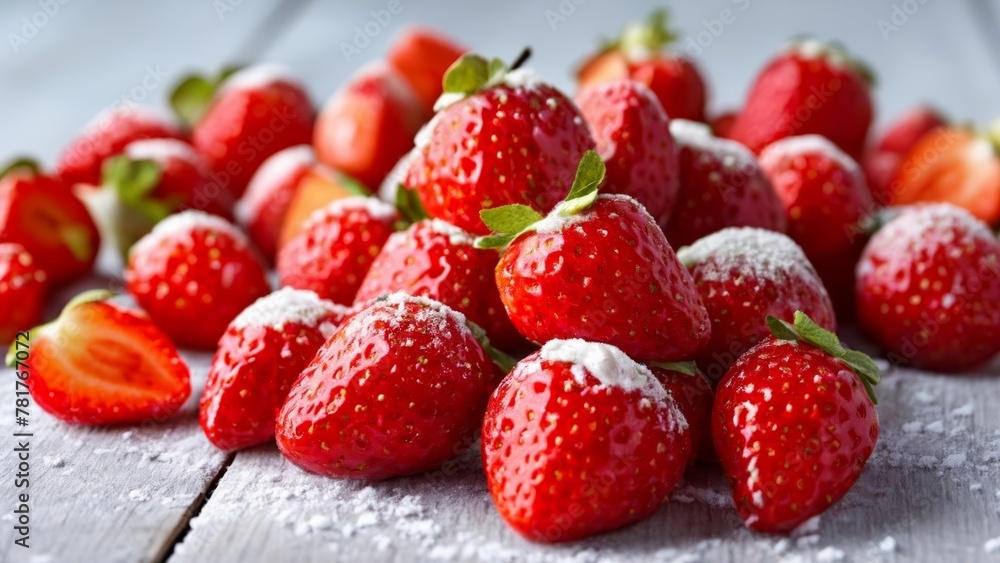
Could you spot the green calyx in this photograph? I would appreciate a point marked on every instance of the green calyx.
(88, 296)
(807, 331)
(409, 206)
(685, 368)
(191, 97)
(134, 181)
(21, 164)
(651, 35)
(502, 360)
(473, 73)
(510, 221)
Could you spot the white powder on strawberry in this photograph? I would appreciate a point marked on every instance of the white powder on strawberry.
(396, 176)
(456, 235)
(258, 76)
(162, 150)
(429, 308)
(181, 225)
(813, 48)
(609, 365)
(767, 254)
(810, 144)
(287, 305)
(697, 136)
(375, 208)
(273, 171)
(522, 78)
(555, 222)
(142, 114)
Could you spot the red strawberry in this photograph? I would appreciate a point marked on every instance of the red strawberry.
(501, 137)
(184, 177)
(882, 162)
(100, 363)
(105, 136)
(262, 209)
(400, 388)
(193, 274)
(928, 289)
(633, 138)
(744, 275)
(640, 55)
(578, 440)
(437, 260)
(259, 357)
(41, 214)
(722, 124)
(952, 165)
(368, 124)
(422, 56)
(22, 291)
(828, 206)
(255, 113)
(334, 250)
(794, 422)
(693, 394)
(811, 88)
(596, 268)
(721, 185)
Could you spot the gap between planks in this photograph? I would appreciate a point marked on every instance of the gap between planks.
(183, 527)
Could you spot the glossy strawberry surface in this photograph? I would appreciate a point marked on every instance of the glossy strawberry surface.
(22, 291)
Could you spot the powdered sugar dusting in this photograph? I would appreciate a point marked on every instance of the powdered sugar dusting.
(162, 150)
(143, 114)
(556, 222)
(456, 235)
(273, 171)
(260, 75)
(698, 137)
(288, 305)
(809, 144)
(400, 298)
(768, 254)
(607, 364)
(814, 48)
(397, 176)
(182, 225)
(376, 209)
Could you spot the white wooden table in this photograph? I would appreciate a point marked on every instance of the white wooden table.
(160, 492)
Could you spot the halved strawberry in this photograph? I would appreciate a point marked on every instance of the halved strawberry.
(952, 165)
(319, 187)
(101, 363)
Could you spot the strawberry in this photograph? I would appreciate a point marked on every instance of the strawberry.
(633, 138)
(243, 118)
(641, 55)
(22, 291)
(259, 357)
(597, 268)
(262, 209)
(368, 124)
(151, 179)
(579, 439)
(105, 136)
(193, 274)
(721, 185)
(829, 207)
(693, 394)
(42, 215)
(952, 165)
(722, 124)
(744, 275)
(928, 289)
(400, 388)
(794, 422)
(500, 137)
(811, 88)
(336, 246)
(318, 188)
(422, 56)
(100, 363)
(882, 161)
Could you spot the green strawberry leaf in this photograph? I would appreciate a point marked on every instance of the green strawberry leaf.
(589, 177)
(510, 219)
(353, 185)
(467, 75)
(651, 35)
(192, 96)
(27, 164)
(409, 205)
(494, 242)
(686, 368)
(806, 330)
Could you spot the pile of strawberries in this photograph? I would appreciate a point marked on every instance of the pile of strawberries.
(600, 290)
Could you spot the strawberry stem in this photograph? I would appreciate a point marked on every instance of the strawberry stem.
(521, 59)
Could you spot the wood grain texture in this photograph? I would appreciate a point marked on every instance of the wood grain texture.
(935, 507)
